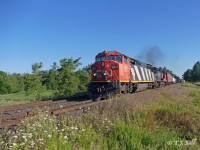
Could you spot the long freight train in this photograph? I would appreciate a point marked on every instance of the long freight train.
(115, 73)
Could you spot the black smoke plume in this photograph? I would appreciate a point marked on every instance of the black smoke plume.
(151, 55)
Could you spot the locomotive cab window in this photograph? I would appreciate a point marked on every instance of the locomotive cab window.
(111, 57)
(103, 58)
(98, 59)
(119, 58)
(125, 59)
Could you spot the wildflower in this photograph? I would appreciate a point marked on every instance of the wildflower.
(14, 144)
(2, 142)
(22, 144)
(74, 128)
(45, 131)
(83, 129)
(30, 135)
(40, 139)
(62, 130)
(15, 136)
(45, 118)
(49, 136)
(65, 137)
(32, 143)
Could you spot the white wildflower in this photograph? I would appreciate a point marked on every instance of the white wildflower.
(62, 130)
(49, 136)
(30, 135)
(65, 137)
(14, 144)
(32, 143)
(2, 142)
(22, 144)
(15, 136)
(40, 139)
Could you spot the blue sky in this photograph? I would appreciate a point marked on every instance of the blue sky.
(48, 30)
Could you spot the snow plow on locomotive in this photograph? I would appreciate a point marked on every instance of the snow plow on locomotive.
(114, 73)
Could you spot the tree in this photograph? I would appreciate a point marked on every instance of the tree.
(53, 77)
(68, 82)
(188, 75)
(5, 87)
(33, 86)
(36, 67)
(33, 82)
(196, 72)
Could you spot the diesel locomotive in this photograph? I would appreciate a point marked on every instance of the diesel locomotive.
(114, 73)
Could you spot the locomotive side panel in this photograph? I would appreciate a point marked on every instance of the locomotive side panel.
(141, 73)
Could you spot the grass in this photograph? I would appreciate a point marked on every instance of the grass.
(167, 124)
(22, 97)
(197, 83)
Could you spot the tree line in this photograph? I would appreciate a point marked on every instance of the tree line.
(65, 79)
(193, 75)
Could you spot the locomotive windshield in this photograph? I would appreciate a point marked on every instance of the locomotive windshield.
(100, 58)
(111, 57)
(119, 58)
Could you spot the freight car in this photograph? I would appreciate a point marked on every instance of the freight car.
(115, 73)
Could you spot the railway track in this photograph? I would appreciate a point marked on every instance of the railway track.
(15, 115)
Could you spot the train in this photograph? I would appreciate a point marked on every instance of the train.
(114, 73)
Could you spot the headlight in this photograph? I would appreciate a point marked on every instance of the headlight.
(115, 67)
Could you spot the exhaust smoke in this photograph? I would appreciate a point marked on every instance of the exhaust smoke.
(151, 55)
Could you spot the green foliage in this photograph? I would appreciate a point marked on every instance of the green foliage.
(33, 85)
(36, 67)
(188, 75)
(10, 83)
(66, 79)
(193, 75)
(164, 69)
